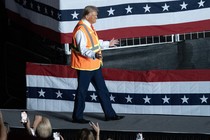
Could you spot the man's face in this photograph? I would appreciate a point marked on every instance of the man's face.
(92, 16)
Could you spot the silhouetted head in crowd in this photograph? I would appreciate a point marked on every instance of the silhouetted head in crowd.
(85, 134)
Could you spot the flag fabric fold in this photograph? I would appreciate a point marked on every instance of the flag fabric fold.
(56, 19)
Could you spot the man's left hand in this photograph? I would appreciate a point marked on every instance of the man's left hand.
(113, 42)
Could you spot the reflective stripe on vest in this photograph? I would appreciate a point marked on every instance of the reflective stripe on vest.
(94, 48)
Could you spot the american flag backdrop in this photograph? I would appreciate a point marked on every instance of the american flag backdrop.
(172, 92)
(177, 92)
(55, 19)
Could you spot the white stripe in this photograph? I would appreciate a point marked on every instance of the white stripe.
(68, 4)
(152, 19)
(67, 106)
(123, 86)
(112, 23)
(50, 82)
(49, 105)
(158, 109)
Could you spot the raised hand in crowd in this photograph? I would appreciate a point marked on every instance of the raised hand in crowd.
(87, 134)
(96, 128)
(3, 128)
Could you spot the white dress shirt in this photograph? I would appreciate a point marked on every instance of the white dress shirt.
(82, 42)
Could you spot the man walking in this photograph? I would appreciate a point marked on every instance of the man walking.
(86, 58)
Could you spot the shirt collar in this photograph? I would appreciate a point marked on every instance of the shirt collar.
(86, 23)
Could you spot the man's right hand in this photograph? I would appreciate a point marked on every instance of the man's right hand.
(98, 55)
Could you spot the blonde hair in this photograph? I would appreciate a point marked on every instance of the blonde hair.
(44, 128)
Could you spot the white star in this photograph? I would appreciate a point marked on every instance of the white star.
(129, 9)
(59, 94)
(146, 99)
(184, 99)
(24, 2)
(165, 7)
(75, 15)
(183, 5)
(74, 96)
(111, 11)
(52, 12)
(204, 99)
(128, 99)
(38, 7)
(146, 8)
(165, 100)
(41, 93)
(93, 96)
(31, 5)
(112, 98)
(59, 16)
(45, 10)
(201, 3)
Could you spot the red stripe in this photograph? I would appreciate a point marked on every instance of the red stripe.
(50, 70)
(140, 31)
(122, 75)
(157, 75)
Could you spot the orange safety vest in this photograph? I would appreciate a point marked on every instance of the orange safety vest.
(79, 61)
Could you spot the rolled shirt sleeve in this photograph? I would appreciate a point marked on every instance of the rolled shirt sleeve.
(104, 44)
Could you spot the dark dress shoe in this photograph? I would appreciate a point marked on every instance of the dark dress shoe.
(81, 121)
(114, 118)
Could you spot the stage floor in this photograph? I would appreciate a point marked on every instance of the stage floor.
(131, 122)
